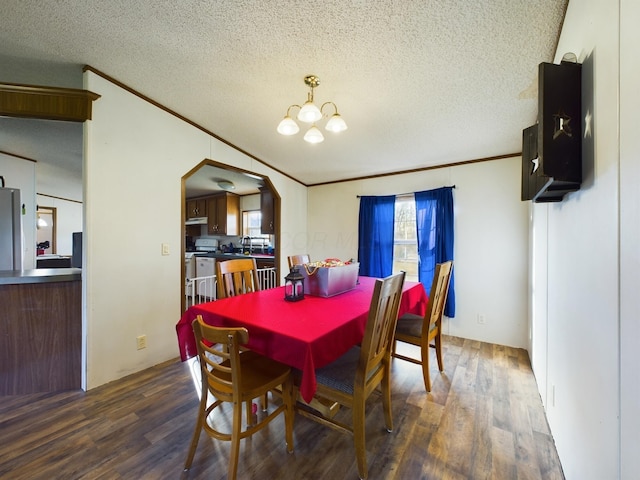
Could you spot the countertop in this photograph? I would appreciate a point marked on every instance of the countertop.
(229, 256)
(40, 275)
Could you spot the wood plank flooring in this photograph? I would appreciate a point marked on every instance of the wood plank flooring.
(483, 420)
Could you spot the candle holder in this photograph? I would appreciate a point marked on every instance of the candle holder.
(294, 285)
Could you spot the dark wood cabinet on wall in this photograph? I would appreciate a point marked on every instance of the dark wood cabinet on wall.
(197, 208)
(223, 213)
(267, 225)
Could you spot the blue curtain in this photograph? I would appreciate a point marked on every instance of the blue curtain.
(375, 236)
(434, 222)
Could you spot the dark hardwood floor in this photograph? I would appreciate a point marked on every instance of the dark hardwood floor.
(483, 420)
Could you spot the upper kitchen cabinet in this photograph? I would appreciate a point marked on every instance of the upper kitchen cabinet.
(197, 208)
(224, 214)
(267, 225)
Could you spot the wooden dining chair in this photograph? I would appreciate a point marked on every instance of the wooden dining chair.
(236, 277)
(236, 376)
(352, 378)
(423, 330)
(298, 259)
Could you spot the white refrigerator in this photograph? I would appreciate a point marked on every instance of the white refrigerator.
(10, 229)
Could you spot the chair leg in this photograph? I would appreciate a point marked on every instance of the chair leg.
(289, 411)
(249, 412)
(385, 386)
(439, 351)
(359, 438)
(425, 365)
(198, 430)
(235, 441)
(265, 401)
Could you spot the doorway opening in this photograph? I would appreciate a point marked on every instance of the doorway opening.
(46, 230)
(210, 179)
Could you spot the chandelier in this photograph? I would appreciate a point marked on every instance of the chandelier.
(309, 113)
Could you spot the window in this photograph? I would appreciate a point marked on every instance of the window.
(251, 224)
(405, 244)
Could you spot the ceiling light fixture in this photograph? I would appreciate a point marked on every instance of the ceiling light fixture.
(309, 113)
(226, 185)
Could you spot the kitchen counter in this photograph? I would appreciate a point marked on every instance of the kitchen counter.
(40, 275)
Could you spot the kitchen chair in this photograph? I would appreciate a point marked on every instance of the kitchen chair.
(235, 277)
(298, 260)
(239, 377)
(350, 379)
(422, 330)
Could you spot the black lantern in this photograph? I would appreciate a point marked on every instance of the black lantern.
(294, 285)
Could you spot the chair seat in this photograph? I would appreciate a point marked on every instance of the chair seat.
(411, 324)
(257, 371)
(340, 373)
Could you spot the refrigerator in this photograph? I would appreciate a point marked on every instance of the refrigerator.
(10, 229)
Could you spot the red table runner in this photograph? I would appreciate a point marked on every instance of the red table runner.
(307, 334)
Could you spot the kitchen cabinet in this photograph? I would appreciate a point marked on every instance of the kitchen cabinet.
(196, 207)
(267, 212)
(224, 214)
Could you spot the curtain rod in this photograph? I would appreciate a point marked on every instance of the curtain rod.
(400, 194)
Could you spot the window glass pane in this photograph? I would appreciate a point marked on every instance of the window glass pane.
(405, 248)
(251, 224)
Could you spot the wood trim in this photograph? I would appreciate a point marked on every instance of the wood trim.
(422, 169)
(59, 198)
(50, 103)
(2, 152)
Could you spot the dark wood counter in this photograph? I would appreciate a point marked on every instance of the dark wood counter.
(40, 330)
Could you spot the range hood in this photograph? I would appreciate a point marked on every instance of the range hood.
(197, 221)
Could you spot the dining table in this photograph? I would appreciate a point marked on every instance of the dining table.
(307, 334)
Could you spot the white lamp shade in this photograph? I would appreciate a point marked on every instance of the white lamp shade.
(288, 127)
(313, 135)
(336, 124)
(309, 113)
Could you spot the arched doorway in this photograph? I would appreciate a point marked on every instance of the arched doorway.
(213, 179)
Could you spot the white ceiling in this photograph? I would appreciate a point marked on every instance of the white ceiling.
(419, 82)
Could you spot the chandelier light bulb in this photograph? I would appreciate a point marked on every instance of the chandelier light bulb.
(288, 127)
(309, 113)
(336, 124)
(313, 135)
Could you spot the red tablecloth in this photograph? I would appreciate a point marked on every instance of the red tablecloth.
(307, 334)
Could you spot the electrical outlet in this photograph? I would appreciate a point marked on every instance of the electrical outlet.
(165, 249)
(482, 320)
(141, 342)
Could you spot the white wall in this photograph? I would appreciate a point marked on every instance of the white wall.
(490, 248)
(629, 240)
(585, 257)
(135, 157)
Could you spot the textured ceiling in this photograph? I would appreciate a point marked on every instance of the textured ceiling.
(420, 83)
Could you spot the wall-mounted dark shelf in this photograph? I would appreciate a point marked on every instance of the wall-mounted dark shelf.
(552, 148)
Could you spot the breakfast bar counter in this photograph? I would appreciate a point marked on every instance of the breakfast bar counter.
(40, 330)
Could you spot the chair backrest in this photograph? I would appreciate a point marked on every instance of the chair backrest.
(222, 379)
(298, 260)
(375, 350)
(437, 296)
(236, 277)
